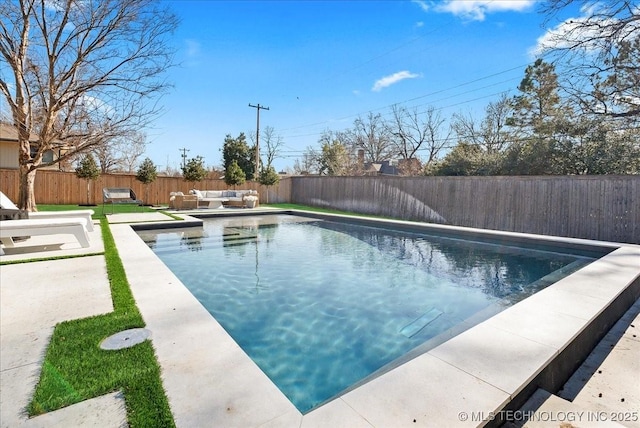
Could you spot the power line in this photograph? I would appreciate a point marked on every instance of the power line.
(451, 88)
(395, 49)
(438, 109)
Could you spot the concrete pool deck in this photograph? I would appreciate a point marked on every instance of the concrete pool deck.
(209, 380)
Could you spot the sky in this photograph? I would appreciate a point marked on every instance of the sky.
(319, 65)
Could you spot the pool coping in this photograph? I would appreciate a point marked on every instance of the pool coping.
(465, 381)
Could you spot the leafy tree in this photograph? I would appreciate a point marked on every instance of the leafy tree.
(237, 149)
(87, 169)
(538, 104)
(621, 155)
(534, 156)
(540, 122)
(334, 159)
(601, 148)
(194, 170)
(465, 159)
(234, 175)
(269, 177)
(147, 173)
(80, 74)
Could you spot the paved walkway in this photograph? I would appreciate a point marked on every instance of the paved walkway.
(35, 296)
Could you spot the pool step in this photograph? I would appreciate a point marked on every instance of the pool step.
(418, 324)
(238, 236)
(230, 239)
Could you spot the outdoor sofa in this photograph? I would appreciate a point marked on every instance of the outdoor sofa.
(220, 198)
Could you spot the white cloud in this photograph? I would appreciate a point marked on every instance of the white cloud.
(559, 37)
(192, 52)
(423, 4)
(392, 79)
(476, 10)
(588, 32)
(93, 104)
(192, 47)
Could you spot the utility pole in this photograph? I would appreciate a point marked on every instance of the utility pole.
(258, 107)
(184, 157)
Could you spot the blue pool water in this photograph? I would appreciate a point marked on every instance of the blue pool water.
(321, 305)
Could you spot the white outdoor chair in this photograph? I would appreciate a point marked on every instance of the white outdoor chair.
(8, 207)
(10, 229)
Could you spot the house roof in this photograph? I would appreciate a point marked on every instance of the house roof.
(372, 167)
(384, 168)
(9, 133)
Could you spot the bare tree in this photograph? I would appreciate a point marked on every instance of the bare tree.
(413, 132)
(82, 74)
(492, 134)
(131, 150)
(370, 134)
(309, 163)
(121, 154)
(107, 157)
(598, 55)
(271, 144)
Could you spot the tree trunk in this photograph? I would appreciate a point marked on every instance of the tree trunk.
(26, 194)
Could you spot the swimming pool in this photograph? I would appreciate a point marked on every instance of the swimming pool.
(322, 305)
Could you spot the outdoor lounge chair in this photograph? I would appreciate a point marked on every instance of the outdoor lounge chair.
(9, 209)
(10, 229)
(119, 195)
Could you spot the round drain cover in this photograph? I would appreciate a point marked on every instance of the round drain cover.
(126, 339)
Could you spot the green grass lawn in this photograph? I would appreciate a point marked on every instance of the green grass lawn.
(76, 369)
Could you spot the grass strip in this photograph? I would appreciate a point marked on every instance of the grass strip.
(42, 259)
(76, 369)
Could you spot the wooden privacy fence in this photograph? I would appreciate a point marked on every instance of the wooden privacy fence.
(57, 187)
(593, 207)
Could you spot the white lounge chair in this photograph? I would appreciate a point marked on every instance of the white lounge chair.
(10, 229)
(7, 204)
